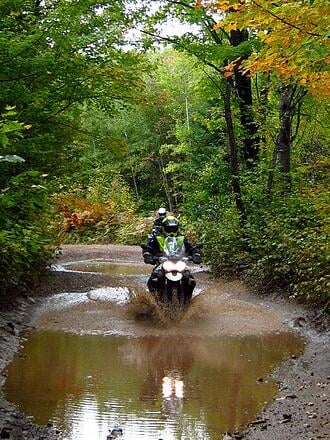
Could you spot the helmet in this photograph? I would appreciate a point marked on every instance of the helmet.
(162, 212)
(170, 225)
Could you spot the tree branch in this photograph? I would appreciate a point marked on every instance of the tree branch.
(213, 81)
(208, 21)
(160, 38)
(94, 135)
(60, 110)
(186, 5)
(26, 48)
(284, 21)
(18, 79)
(177, 42)
(72, 101)
(293, 136)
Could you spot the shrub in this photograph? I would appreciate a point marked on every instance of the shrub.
(284, 245)
(25, 242)
(104, 213)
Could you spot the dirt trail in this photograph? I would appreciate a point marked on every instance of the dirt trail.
(241, 313)
(300, 410)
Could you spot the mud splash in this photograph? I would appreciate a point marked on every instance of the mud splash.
(128, 309)
(143, 305)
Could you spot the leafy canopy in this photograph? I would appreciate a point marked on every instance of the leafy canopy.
(294, 37)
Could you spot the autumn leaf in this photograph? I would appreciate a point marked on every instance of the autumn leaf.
(228, 74)
(294, 37)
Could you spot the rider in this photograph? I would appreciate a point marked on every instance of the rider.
(154, 250)
(157, 226)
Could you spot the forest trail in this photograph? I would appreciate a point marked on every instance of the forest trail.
(116, 368)
(221, 308)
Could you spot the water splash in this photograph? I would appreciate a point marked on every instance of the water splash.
(144, 305)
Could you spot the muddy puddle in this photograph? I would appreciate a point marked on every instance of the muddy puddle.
(108, 267)
(93, 364)
(152, 387)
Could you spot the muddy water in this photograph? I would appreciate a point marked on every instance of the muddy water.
(109, 267)
(92, 365)
(168, 387)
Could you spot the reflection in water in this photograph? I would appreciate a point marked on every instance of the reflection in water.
(172, 393)
(168, 387)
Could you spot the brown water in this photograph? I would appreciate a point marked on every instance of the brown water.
(167, 387)
(94, 364)
(110, 267)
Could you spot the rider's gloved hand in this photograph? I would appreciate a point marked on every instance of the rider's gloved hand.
(196, 258)
(148, 258)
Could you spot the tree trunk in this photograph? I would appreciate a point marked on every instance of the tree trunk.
(166, 184)
(244, 91)
(271, 173)
(242, 84)
(131, 166)
(290, 102)
(263, 107)
(286, 112)
(234, 164)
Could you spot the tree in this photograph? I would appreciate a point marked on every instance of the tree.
(161, 135)
(292, 44)
(293, 36)
(216, 49)
(290, 102)
(54, 57)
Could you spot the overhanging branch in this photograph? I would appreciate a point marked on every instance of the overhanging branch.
(285, 21)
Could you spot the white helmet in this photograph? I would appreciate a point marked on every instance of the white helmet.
(162, 212)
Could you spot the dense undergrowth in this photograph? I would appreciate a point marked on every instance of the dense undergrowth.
(284, 244)
(284, 249)
(26, 243)
(105, 212)
(27, 246)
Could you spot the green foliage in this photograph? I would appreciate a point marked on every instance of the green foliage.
(289, 248)
(9, 131)
(283, 246)
(55, 58)
(136, 231)
(25, 244)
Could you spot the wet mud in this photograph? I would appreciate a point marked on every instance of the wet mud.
(123, 306)
(132, 311)
(85, 300)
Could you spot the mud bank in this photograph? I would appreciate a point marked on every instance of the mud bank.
(299, 411)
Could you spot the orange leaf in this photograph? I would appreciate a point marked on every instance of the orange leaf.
(217, 26)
